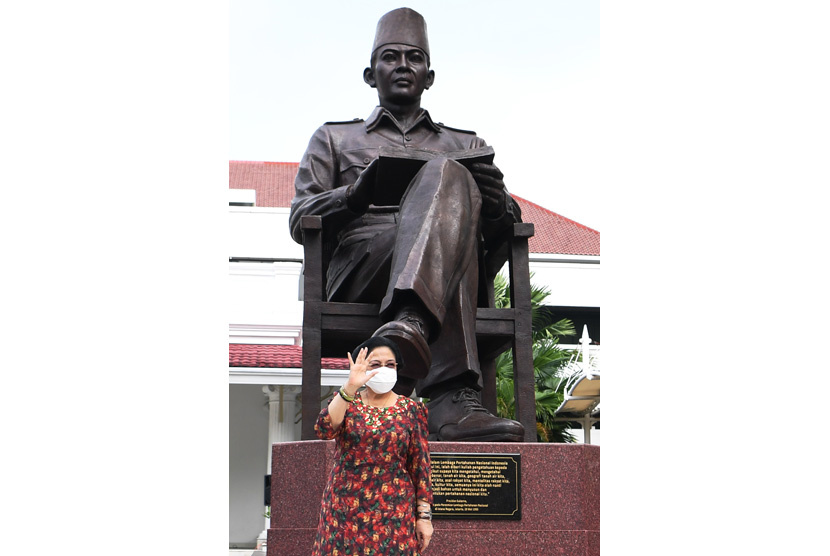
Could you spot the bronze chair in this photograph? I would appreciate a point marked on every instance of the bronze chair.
(332, 329)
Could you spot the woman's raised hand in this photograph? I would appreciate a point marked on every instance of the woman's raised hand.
(359, 374)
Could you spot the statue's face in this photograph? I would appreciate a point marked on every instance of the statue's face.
(400, 73)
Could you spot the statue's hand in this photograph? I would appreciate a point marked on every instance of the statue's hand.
(491, 185)
(360, 194)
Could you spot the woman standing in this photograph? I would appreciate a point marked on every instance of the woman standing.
(379, 494)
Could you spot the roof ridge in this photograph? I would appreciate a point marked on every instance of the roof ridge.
(554, 213)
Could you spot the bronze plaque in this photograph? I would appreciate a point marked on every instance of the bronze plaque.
(476, 486)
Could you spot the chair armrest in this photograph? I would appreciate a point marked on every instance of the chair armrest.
(523, 229)
(311, 222)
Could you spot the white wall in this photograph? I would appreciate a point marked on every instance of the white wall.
(595, 435)
(262, 233)
(263, 302)
(573, 281)
(263, 297)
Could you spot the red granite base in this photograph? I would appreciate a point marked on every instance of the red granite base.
(560, 501)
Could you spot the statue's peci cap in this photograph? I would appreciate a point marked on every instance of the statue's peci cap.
(402, 26)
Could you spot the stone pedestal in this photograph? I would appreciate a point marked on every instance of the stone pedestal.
(560, 501)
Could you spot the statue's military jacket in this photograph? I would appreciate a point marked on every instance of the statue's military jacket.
(339, 151)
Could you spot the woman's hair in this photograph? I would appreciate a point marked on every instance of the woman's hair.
(376, 342)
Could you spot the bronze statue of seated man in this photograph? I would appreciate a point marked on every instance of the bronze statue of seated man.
(420, 257)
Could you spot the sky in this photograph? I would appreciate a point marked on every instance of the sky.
(522, 75)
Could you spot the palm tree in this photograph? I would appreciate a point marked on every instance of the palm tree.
(549, 362)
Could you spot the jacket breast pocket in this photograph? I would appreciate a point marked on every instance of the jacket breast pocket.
(353, 162)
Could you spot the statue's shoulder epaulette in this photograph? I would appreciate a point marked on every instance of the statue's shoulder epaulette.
(441, 124)
(355, 121)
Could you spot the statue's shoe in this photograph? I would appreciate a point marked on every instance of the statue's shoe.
(458, 416)
(414, 348)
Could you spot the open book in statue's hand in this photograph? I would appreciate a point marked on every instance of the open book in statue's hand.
(397, 167)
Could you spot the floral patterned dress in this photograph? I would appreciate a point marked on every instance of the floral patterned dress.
(382, 467)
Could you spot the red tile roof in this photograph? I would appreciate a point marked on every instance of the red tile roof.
(276, 356)
(555, 234)
(273, 181)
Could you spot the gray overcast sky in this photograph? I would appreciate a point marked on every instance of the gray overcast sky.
(523, 75)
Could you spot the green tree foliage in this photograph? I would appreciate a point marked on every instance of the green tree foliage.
(549, 362)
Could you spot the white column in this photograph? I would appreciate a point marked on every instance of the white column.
(283, 402)
(282, 409)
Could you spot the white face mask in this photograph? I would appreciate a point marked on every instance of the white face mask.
(383, 381)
